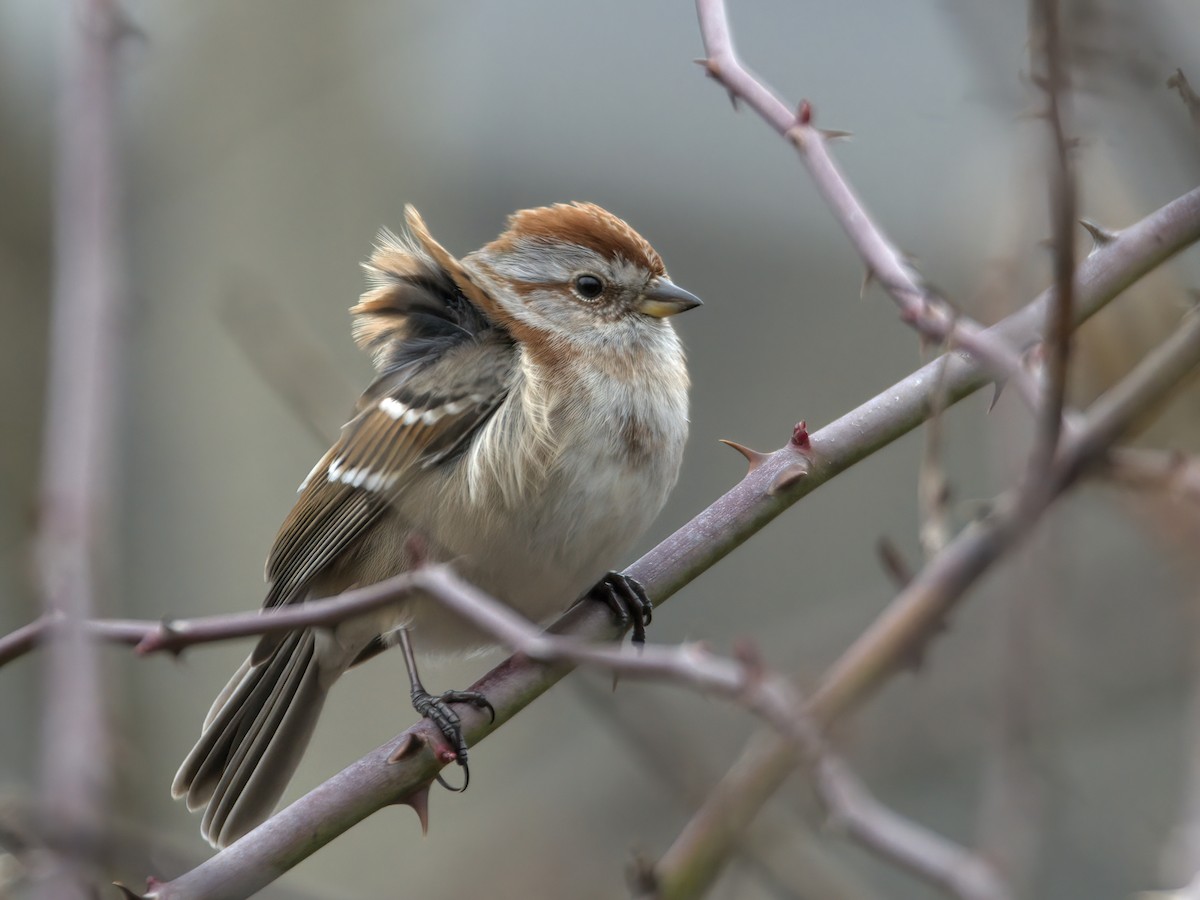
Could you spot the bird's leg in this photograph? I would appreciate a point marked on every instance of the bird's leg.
(436, 708)
(628, 601)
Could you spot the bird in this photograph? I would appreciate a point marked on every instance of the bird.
(526, 424)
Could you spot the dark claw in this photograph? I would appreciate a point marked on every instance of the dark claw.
(437, 710)
(628, 601)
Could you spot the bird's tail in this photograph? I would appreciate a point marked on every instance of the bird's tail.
(252, 740)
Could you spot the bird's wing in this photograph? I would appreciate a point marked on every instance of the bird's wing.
(445, 370)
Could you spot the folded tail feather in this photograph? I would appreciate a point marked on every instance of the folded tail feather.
(252, 740)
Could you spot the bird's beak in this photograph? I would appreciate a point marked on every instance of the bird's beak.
(664, 298)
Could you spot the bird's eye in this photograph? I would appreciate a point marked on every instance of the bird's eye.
(589, 287)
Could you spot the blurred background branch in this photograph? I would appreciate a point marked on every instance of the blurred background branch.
(80, 445)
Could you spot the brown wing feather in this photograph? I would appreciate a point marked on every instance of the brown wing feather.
(403, 427)
(361, 476)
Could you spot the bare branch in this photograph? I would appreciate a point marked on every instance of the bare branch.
(1050, 67)
(176, 635)
(919, 306)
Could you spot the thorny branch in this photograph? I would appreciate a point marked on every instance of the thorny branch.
(174, 636)
(1050, 69)
(919, 306)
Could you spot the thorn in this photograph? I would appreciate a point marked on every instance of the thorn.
(924, 343)
(786, 479)
(754, 457)
(997, 390)
(914, 659)
(894, 563)
(804, 113)
(162, 639)
(640, 876)
(800, 436)
(868, 278)
(713, 71)
(128, 893)
(1100, 235)
(410, 745)
(834, 134)
(419, 801)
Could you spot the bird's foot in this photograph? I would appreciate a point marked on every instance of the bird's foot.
(436, 708)
(628, 601)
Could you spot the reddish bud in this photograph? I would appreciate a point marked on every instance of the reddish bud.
(800, 435)
(804, 113)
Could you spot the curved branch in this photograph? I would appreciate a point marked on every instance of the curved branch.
(919, 306)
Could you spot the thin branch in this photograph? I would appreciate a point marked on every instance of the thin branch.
(1049, 64)
(919, 306)
(173, 636)
(379, 779)
(79, 444)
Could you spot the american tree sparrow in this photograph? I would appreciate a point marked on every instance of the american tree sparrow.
(527, 423)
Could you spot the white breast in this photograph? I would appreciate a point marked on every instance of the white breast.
(548, 499)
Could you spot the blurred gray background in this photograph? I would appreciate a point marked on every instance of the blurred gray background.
(265, 142)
